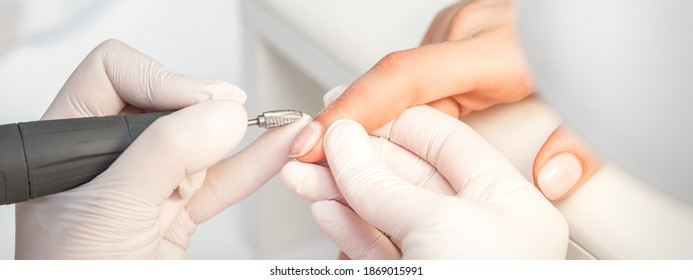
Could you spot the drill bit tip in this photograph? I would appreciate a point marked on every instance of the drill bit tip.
(276, 118)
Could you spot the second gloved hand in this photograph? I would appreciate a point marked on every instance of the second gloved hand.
(440, 191)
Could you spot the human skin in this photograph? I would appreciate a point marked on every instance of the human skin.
(470, 60)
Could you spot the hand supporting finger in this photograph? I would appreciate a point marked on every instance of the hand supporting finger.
(367, 183)
(315, 182)
(494, 198)
(442, 141)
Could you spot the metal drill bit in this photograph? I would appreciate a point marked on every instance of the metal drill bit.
(272, 119)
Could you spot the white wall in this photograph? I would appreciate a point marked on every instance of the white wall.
(193, 37)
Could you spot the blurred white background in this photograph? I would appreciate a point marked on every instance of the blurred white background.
(200, 38)
(283, 59)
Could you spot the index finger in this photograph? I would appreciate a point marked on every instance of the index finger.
(408, 78)
(114, 75)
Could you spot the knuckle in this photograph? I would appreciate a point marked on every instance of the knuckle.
(472, 18)
(388, 70)
(395, 60)
(467, 20)
(110, 44)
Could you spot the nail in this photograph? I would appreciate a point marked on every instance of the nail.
(306, 139)
(559, 175)
(224, 90)
(238, 93)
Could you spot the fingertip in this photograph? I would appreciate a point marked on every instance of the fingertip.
(306, 141)
(218, 89)
(343, 102)
(340, 126)
(212, 89)
(343, 132)
(559, 175)
(292, 176)
(308, 145)
(232, 119)
(315, 155)
(562, 164)
(228, 117)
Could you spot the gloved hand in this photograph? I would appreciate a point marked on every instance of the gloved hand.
(171, 178)
(470, 59)
(452, 196)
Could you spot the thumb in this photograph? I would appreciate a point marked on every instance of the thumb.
(563, 164)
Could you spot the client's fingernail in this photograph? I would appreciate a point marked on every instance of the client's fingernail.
(306, 139)
(559, 175)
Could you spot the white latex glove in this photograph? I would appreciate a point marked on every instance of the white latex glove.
(452, 196)
(171, 178)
